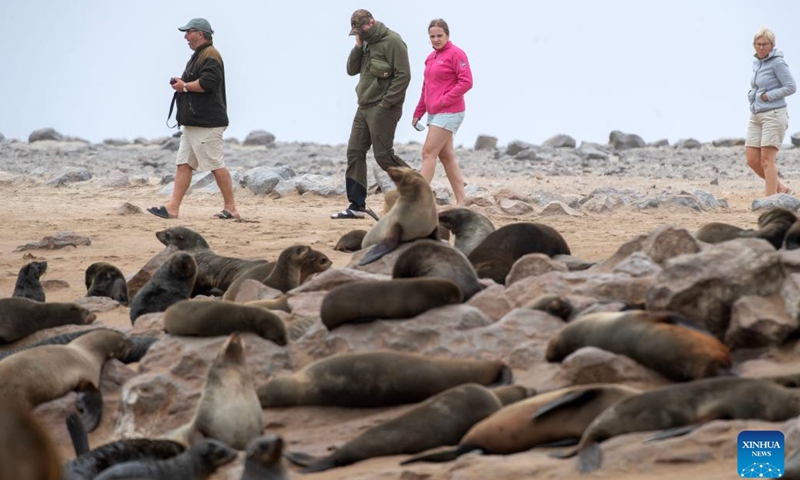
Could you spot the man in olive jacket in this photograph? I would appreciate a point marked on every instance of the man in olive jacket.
(380, 57)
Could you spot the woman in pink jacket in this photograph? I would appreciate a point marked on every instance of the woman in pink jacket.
(447, 78)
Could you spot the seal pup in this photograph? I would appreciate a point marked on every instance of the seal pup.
(470, 228)
(440, 420)
(552, 304)
(87, 463)
(28, 284)
(773, 226)
(45, 373)
(295, 264)
(412, 216)
(716, 232)
(547, 419)
(26, 450)
(791, 241)
(197, 463)
(140, 344)
(105, 280)
(229, 409)
(210, 318)
(183, 238)
(367, 301)
(682, 408)
(494, 257)
(171, 283)
(657, 340)
(20, 317)
(378, 379)
(438, 260)
(264, 459)
(351, 241)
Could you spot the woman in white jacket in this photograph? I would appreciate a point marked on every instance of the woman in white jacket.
(770, 85)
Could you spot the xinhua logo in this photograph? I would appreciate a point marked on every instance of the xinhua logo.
(761, 454)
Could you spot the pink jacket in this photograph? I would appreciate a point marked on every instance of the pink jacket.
(447, 79)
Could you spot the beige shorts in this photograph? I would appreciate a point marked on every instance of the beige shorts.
(201, 148)
(767, 129)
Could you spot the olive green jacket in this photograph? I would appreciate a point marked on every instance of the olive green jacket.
(383, 65)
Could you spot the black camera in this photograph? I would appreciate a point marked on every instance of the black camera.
(172, 80)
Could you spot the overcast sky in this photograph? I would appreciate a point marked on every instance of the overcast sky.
(672, 69)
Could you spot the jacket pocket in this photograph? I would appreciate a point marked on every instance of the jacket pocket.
(380, 68)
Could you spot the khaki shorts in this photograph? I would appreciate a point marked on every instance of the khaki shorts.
(201, 148)
(767, 129)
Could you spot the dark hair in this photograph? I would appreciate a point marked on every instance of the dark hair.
(438, 22)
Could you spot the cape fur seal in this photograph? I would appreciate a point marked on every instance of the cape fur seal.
(681, 408)
(172, 282)
(197, 463)
(547, 419)
(427, 258)
(377, 379)
(654, 339)
(773, 226)
(214, 272)
(28, 284)
(494, 257)
(295, 264)
(105, 280)
(87, 463)
(350, 241)
(20, 317)
(35, 376)
(229, 409)
(552, 304)
(210, 318)
(440, 420)
(367, 301)
(140, 344)
(716, 232)
(264, 459)
(412, 216)
(791, 241)
(470, 228)
(26, 450)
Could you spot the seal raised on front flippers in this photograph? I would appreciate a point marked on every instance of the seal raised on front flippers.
(428, 258)
(264, 459)
(412, 216)
(172, 282)
(28, 284)
(469, 227)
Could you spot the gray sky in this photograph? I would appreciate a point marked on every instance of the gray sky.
(662, 69)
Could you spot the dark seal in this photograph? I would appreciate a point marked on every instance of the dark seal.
(28, 284)
(172, 282)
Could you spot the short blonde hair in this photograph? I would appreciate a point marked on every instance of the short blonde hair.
(765, 33)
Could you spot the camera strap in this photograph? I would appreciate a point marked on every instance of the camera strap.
(172, 107)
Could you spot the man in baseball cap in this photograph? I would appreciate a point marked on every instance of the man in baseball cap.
(358, 20)
(200, 24)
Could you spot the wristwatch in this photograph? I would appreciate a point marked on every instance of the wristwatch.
(184, 88)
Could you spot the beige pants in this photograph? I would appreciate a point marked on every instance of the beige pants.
(201, 148)
(767, 129)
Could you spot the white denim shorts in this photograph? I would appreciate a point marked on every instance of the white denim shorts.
(201, 148)
(767, 129)
(448, 121)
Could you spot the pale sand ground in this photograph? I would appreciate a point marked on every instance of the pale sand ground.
(33, 211)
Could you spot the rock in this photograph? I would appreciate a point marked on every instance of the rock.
(263, 180)
(116, 142)
(594, 365)
(517, 146)
(69, 175)
(515, 207)
(687, 143)
(45, 134)
(54, 242)
(625, 141)
(137, 281)
(560, 141)
(116, 179)
(759, 322)
(485, 142)
(533, 264)
(728, 142)
(172, 144)
(128, 209)
(795, 138)
(558, 208)
(779, 200)
(318, 185)
(659, 143)
(259, 137)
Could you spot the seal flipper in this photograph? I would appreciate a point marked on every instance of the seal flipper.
(590, 458)
(673, 432)
(90, 405)
(389, 243)
(311, 463)
(575, 398)
(77, 432)
(442, 456)
(505, 377)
